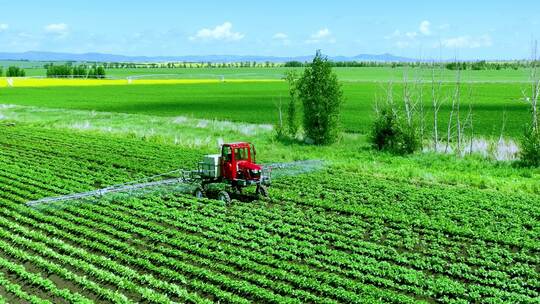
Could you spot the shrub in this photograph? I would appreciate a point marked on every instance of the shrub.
(392, 133)
(530, 148)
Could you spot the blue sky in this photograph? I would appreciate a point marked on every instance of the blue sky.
(428, 29)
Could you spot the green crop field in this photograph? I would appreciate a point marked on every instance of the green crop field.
(258, 102)
(364, 74)
(340, 234)
(367, 74)
(269, 152)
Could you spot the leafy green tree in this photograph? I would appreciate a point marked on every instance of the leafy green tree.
(15, 71)
(100, 72)
(321, 95)
(92, 72)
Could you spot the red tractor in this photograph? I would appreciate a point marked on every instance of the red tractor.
(234, 169)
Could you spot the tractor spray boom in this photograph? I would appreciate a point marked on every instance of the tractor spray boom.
(234, 169)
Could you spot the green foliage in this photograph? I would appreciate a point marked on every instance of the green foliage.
(292, 121)
(255, 102)
(392, 133)
(69, 70)
(337, 235)
(321, 95)
(100, 72)
(15, 71)
(293, 64)
(530, 148)
(481, 65)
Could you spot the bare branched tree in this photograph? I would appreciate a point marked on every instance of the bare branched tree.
(407, 98)
(436, 103)
(534, 79)
(388, 97)
(412, 100)
(468, 123)
(451, 118)
(457, 97)
(420, 107)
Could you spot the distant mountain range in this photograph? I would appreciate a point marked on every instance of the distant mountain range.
(100, 57)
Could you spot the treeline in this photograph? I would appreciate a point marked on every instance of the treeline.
(13, 71)
(484, 65)
(172, 65)
(74, 71)
(353, 64)
(458, 65)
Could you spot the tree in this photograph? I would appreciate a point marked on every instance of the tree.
(14, 71)
(100, 72)
(292, 124)
(321, 95)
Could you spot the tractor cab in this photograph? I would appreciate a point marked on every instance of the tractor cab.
(238, 164)
(234, 167)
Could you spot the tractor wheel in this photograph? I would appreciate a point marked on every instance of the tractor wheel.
(224, 197)
(262, 191)
(198, 192)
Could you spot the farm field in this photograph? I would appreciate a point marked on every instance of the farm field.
(233, 101)
(199, 152)
(363, 235)
(363, 74)
(363, 227)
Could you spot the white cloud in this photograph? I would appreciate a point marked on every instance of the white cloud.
(467, 42)
(425, 28)
(220, 32)
(3, 27)
(322, 35)
(57, 28)
(280, 36)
